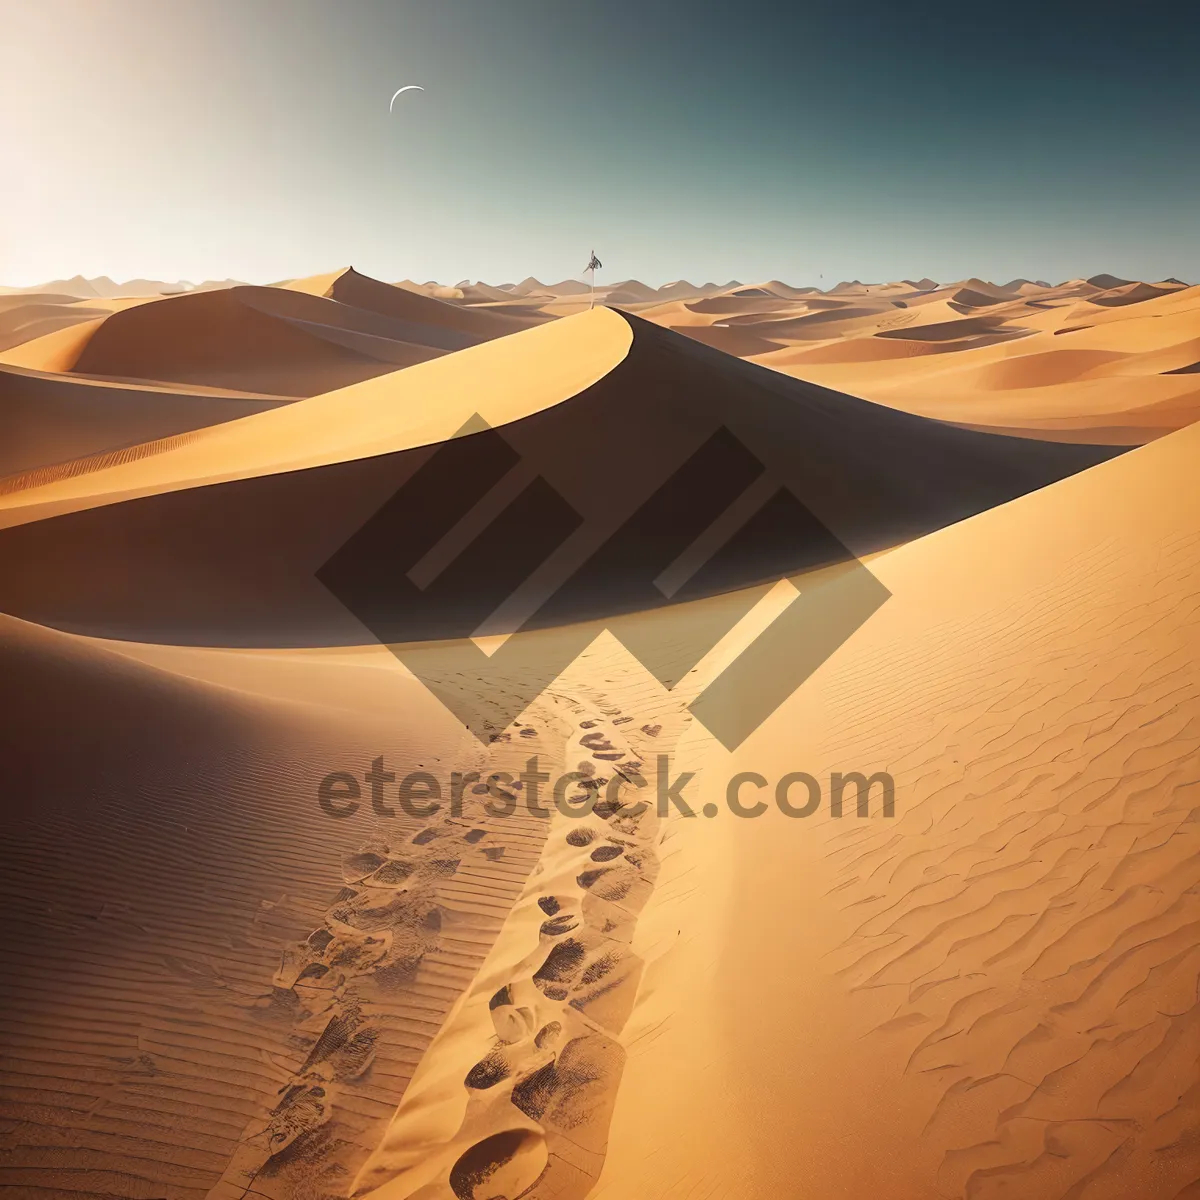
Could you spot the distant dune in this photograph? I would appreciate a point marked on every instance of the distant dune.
(940, 350)
(26, 317)
(299, 340)
(250, 339)
(102, 286)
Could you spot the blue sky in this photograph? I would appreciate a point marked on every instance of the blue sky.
(803, 141)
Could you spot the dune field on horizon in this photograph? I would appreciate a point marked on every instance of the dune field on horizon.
(296, 583)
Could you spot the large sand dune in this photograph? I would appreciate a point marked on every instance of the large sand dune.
(216, 537)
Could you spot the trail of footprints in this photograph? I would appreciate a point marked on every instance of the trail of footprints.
(540, 1098)
(556, 1060)
(377, 931)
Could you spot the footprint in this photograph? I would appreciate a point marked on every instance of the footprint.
(506, 1164)
(564, 961)
(609, 883)
(547, 1037)
(489, 1071)
(392, 872)
(304, 1108)
(596, 741)
(557, 926)
(564, 1093)
(356, 867)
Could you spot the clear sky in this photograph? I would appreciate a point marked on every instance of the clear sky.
(192, 139)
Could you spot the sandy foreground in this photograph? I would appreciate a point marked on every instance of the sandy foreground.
(217, 987)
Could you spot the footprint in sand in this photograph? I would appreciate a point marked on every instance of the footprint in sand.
(503, 1165)
(303, 1109)
(512, 1020)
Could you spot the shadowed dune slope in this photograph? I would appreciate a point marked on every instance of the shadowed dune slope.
(994, 993)
(217, 539)
(47, 418)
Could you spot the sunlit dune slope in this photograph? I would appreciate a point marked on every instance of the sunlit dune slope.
(217, 537)
(994, 992)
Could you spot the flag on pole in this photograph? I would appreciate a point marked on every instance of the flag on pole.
(593, 264)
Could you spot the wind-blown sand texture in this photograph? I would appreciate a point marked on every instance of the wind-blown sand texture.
(215, 989)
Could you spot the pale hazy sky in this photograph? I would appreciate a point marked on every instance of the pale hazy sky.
(201, 139)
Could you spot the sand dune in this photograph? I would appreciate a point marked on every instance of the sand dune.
(351, 288)
(1078, 370)
(235, 564)
(24, 318)
(184, 927)
(1002, 979)
(53, 419)
(945, 351)
(102, 286)
(253, 339)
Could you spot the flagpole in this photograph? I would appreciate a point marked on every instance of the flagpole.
(593, 263)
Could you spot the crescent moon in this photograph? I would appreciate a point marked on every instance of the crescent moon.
(408, 87)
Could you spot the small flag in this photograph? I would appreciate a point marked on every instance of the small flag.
(594, 264)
